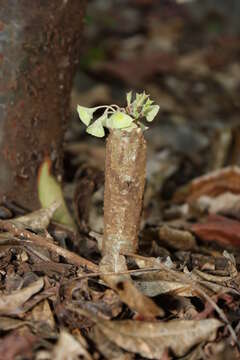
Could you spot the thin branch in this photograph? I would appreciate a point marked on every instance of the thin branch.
(134, 271)
(30, 238)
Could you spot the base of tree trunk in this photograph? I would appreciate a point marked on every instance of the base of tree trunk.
(39, 50)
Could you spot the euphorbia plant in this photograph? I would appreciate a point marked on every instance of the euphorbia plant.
(125, 168)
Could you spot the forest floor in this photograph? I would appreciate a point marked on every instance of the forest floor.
(180, 294)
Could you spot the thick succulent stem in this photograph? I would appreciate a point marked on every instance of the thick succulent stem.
(125, 172)
(39, 49)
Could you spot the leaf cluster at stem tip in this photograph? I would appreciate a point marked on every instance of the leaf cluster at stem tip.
(114, 117)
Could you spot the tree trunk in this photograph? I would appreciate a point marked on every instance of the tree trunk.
(39, 50)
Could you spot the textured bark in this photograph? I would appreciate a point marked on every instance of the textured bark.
(39, 49)
(125, 173)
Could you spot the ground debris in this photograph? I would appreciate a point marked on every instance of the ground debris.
(179, 295)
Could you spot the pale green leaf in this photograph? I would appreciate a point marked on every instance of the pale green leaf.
(138, 104)
(146, 106)
(50, 191)
(85, 114)
(140, 99)
(119, 120)
(129, 98)
(152, 112)
(96, 129)
(103, 118)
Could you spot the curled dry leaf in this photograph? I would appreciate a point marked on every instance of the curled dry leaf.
(126, 289)
(220, 229)
(215, 183)
(11, 304)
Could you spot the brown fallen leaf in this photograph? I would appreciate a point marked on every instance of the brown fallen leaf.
(107, 348)
(222, 280)
(128, 293)
(162, 280)
(215, 183)
(211, 288)
(176, 283)
(220, 229)
(42, 312)
(8, 323)
(153, 288)
(176, 239)
(151, 339)
(108, 303)
(69, 348)
(11, 304)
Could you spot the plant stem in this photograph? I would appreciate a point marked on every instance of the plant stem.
(125, 172)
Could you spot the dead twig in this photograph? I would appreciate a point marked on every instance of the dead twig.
(30, 238)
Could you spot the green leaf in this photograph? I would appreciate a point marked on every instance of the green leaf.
(103, 118)
(129, 98)
(85, 114)
(96, 129)
(138, 104)
(146, 106)
(152, 112)
(140, 99)
(119, 120)
(50, 191)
